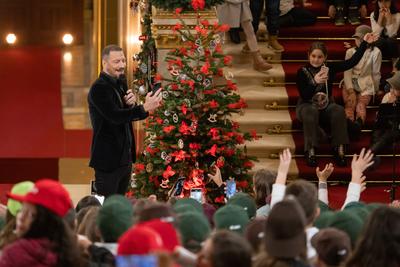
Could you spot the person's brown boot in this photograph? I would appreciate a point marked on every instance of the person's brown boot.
(259, 63)
(273, 43)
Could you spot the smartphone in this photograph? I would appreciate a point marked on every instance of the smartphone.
(155, 88)
(136, 261)
(230, 188)
(178, 186)
(196, 193)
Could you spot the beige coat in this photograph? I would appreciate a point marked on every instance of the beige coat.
(233, 12)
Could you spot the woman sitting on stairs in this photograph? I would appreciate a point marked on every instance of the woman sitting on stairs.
(316, 107)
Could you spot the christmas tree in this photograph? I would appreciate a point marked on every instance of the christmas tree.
(193, 129)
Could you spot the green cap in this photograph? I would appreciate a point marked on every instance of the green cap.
(359, 209)
(21, 188)
(231, 217)
(189, 201)
(348, 222)
(323, 219)
(185, 208)
(246, 201)
(114, 218)
(194, 228)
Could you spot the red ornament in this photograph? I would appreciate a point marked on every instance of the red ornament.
(139, 167)
(254, 134)
(184, 128)
(178, 10)
(198, 4)
(168, 129)
(205, 68)
(177, 27)
(248, 164)
(194, 146)
(227, 60)
(143, 37)
(179, 155)
(213, 104)
(184, 108)
(168, 172)
(231, 85)
(212, 150)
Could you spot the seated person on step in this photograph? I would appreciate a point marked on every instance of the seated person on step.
(386, 128)
(316, 107)
(362, 81)
(352, 9)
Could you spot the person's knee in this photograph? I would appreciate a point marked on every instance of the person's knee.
(309, 114)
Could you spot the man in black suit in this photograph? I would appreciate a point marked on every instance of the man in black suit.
(112, 108)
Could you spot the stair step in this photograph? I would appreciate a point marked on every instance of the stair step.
(266, 145)
(235, 50)
(258, 96)
(245, 74)
(261, 120)
(325, 28)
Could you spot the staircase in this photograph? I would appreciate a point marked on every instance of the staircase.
(271, 97)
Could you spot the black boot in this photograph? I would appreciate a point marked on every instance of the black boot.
(339, 17)
(311, 159)
(340, 156)
(234, 35)
(354, 15)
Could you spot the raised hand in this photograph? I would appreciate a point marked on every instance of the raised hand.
(325, 173)
(217, 177)
(284, 163)
(321, 77)
(359, 164)
(371, 37)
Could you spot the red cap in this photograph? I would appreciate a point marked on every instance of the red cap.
(49, 194)
(139, 240)
(166, 231)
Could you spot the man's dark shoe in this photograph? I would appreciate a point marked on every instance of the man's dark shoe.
(339, 17)
(234, 35)
(311, 159)
(340, 156)
(354, 15)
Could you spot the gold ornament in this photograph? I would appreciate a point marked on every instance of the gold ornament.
(149, 167)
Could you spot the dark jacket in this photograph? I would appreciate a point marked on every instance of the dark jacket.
(113, 143)
(307, 87)
(28, 252)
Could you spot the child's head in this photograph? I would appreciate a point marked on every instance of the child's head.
(317, 54)
(360, 32)
(394, 83)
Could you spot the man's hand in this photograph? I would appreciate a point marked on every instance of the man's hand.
(363, 11)
(217, 177)
(332, 11)
(325, 173)
(152, 101)
(360, 164)
(284, 163)
(130, 98)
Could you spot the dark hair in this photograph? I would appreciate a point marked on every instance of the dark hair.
(379, 243)
(88, 226)
(70, 219)
(263, 180)
(392, 10)
(254, 233)
(52, 227)
(86, 202)
(7, 235)
(109, 48)
(307, 195)
(155, 210)
(230, 249)
(318, 45)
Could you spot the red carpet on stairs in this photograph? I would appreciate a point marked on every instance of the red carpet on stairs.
(294, 57)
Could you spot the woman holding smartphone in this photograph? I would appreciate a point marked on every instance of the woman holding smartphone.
(316, 107)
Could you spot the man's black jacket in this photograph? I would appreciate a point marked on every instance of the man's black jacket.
(113, 142)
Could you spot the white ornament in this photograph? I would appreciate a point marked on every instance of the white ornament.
(165, 94)
(212, 118)
(142, 90)
(180, 144)
(175, 118)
